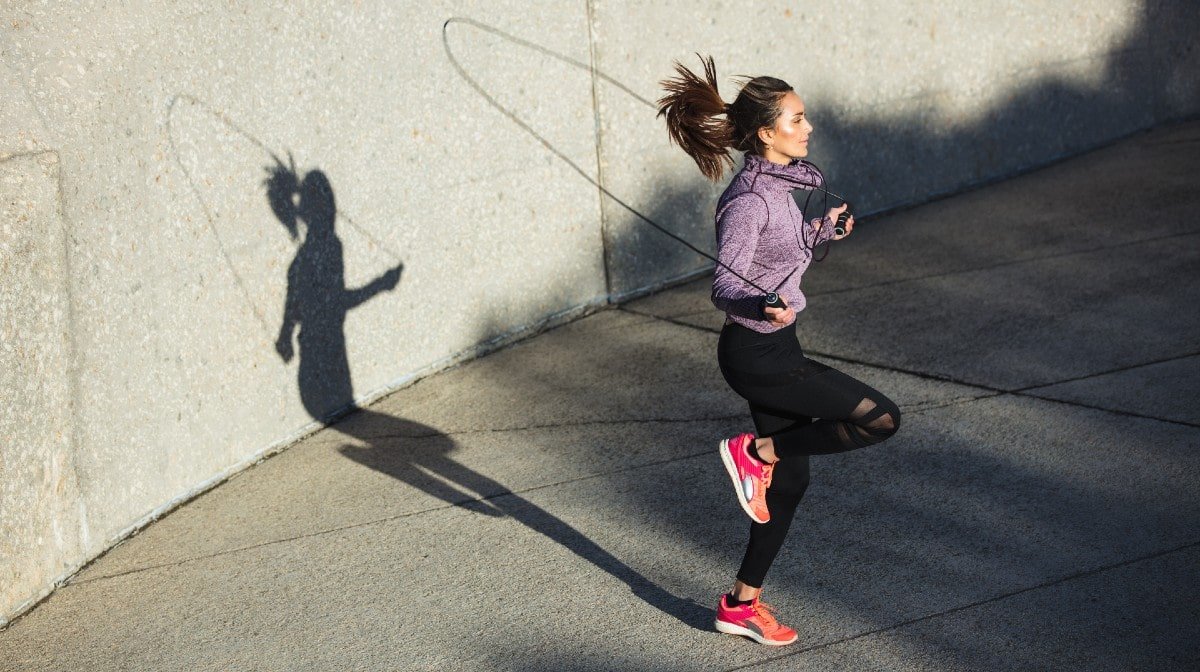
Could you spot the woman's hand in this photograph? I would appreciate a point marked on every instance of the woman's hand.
(832, 216)
(283, 346)
(780, 317)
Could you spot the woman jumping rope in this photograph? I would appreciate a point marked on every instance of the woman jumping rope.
(800, 407)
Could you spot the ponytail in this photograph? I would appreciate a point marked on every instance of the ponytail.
(700, 122)
(696, 119)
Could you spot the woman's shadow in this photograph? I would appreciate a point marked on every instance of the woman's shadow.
(317, 298)
(316, 305)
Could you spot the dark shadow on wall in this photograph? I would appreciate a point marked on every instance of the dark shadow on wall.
(417, 455)
(317, 297)
(1151, 76)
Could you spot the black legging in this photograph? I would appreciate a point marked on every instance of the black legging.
(786, 391)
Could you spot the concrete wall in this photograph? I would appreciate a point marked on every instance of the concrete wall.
(168, 317)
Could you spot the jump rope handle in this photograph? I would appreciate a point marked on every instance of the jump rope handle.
(839, 229)
(773, 300)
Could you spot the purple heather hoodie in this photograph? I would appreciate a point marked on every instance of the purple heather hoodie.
(761, 235)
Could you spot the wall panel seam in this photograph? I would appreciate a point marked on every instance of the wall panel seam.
(599, 142)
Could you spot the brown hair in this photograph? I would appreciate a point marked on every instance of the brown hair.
(700, 122)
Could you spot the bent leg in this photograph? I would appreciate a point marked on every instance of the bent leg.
(788, 484)
(767, 538)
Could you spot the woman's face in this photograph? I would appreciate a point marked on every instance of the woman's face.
(788, 139)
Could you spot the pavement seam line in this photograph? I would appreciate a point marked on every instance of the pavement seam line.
(648, 421)
(1000, 392)
(410, 514)
(457, 503)
(1120, 369)
(884, 367)
(917, 410)
(1115, 411)
(979, 603)
(1003, 264)
(1177, 141)
(997, 391)
(585, 423)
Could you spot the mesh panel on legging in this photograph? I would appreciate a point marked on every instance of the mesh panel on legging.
(855, 415)
(874, 417)
(786, 390)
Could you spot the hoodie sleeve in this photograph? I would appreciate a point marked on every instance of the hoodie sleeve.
(739, 225)
(824, 233)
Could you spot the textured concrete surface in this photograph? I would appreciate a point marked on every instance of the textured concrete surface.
(39, 496)
(558, 505)
(907, 99)
(268, 212)
(165, 117)
(1168, 390)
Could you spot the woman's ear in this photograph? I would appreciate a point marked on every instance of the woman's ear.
(766, 135)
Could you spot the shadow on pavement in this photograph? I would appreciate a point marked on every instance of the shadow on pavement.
(418, 456)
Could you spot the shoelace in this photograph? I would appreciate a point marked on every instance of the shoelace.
(765, 612)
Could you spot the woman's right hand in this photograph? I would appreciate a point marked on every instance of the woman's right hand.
(833, 214)
(780, 317)
(283, 346)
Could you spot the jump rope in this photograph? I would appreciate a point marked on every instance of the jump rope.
(771, 297)
(210, 218)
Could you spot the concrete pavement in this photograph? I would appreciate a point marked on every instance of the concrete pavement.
(559, 505)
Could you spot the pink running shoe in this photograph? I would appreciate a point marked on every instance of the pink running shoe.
(754, 620)
(750, 477)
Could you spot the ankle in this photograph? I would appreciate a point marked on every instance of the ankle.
(733, 601)
(764, 450)
(743, 592)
